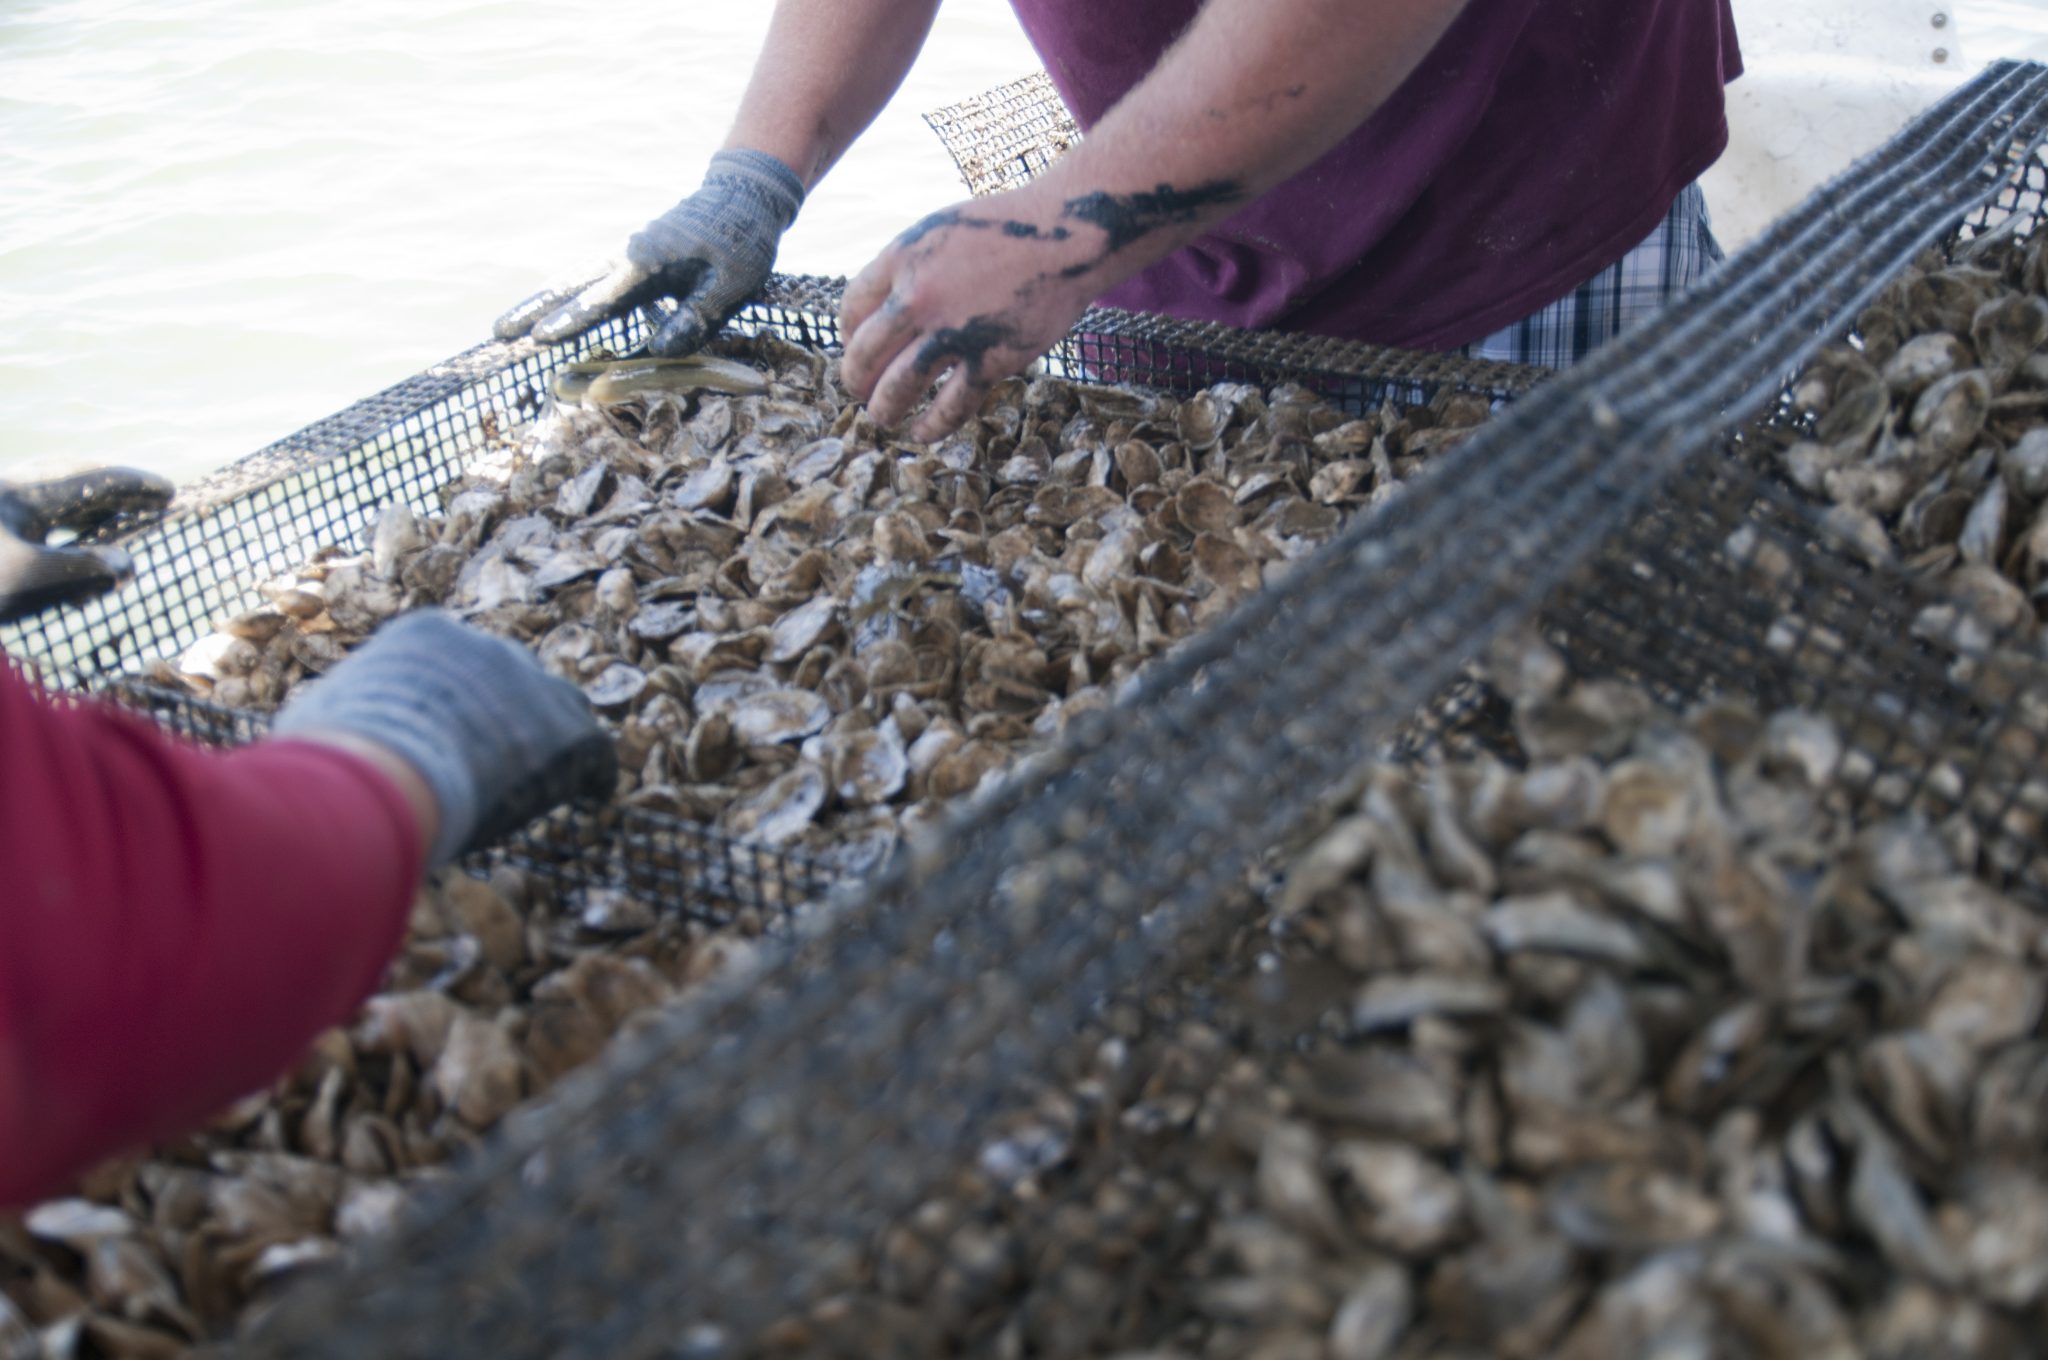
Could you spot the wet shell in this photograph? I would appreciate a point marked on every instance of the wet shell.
(2008, 330)
(663, 620)
(870, 767)
(1138, 463)
(1949, 413)
(778, 715)
(1204, 507)
(612, 911)
(1201, 419)
(780, 811)
(1922, 361)
(616, 687)
(1855, 417)
(708, 488)
(802, 629)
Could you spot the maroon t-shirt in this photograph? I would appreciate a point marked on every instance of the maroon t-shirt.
(1536, 144)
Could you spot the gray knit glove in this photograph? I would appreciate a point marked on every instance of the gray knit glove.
(34, 576)
(711, 253)
(497, 739)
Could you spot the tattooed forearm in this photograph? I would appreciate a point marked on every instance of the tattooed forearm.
(1125, 218)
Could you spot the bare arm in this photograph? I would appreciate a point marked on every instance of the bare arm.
(826, 70)
(1252, 93)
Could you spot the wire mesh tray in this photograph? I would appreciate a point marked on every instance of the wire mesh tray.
(1734, 581)
(322, 487)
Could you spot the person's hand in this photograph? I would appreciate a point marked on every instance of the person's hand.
(496, 739)
(35, 576)
(711, 253)
(981, 289)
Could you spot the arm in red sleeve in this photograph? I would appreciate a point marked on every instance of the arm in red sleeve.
(175, 924)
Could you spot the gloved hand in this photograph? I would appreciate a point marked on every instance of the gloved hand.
(497, 739)
(34, 576)
(711, 253)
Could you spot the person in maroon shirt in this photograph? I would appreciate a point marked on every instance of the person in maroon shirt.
(178, 924)
(1510, 177)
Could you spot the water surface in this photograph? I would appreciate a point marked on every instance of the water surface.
(223, 219)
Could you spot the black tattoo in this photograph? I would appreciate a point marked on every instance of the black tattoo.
(1125, 218)
(1122, 218)
(967, 345)
(953, 217)
(1029, 232)
(925, 226)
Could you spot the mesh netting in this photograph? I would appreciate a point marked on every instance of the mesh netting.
(724, 1165)
(679, 867)
(1001, 138)
(322, 487)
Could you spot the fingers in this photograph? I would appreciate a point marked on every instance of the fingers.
(34, 579)
(866, 293)
(958, 402)
(696, 318)
(884, 333)
(890, 361)
(86, 501)
(519, 320)
(609, 296)
(902, 385)
(682, 334)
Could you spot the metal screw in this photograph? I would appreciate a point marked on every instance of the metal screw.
(1940, 19)
(1941, 54)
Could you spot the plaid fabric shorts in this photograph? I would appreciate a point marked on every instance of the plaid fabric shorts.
(1670, 260)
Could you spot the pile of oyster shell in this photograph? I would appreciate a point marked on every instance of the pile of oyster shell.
(1929, 435)
(1644, 1049)
(802, 630)
(494, 997)
(813, 634)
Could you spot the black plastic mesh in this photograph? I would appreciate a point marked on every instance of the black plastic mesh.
(273, 511)
(1927, 734)
(723, 1165)
(1005, 136)
(678, 867)
(1731, 582)
(322, 487)
(1109, 345)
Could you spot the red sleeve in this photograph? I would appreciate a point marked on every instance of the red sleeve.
(175, 924)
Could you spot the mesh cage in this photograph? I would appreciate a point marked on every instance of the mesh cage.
(322, 487)
(1005, 136)
(723, 1166)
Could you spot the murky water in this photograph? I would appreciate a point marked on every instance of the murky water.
(222, 219)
